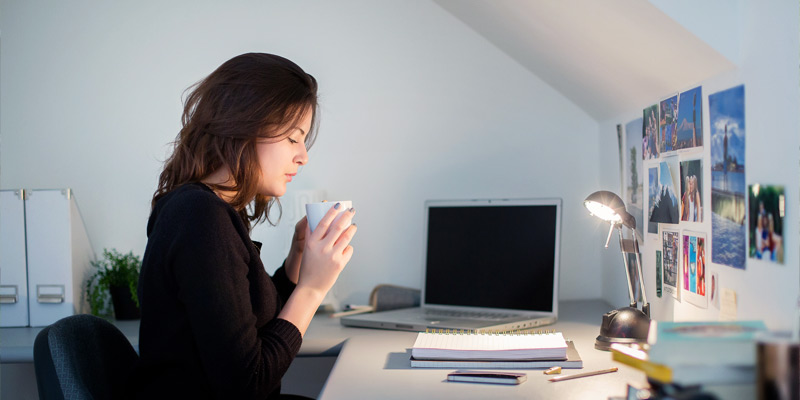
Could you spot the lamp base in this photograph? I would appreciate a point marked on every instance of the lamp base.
(624, 325)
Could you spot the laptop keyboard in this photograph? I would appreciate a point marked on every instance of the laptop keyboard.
(483, 316)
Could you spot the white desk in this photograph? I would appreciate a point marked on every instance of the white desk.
(375, 364)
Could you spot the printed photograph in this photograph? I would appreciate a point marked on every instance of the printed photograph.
(658, 273)
(728, 230)
(688, 269)
(767, 209)
(652, 193)
(650, 139)
(633, 175)
(670, 244)
(692, 190)
(713, 290)
(668, 124)
(701, 266)
(666, 209)
(694, 269)
(690, 120)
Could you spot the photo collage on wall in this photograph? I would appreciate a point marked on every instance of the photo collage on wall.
(674, 197)
(688, 193)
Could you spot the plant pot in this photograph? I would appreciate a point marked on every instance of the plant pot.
(124, 306)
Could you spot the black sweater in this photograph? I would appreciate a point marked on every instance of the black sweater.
(210, 326)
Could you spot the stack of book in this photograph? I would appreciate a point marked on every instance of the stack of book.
(691, 353)
(492, 350)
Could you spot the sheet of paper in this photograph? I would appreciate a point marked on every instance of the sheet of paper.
(727, 310)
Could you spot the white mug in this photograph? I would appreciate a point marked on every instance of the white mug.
(315, 211)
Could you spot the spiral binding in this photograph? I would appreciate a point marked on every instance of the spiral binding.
(489, 332)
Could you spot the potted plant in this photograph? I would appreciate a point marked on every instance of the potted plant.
(116, 277)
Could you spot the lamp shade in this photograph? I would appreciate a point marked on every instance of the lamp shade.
(609, 207)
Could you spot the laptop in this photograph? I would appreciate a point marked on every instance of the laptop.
(489, 265)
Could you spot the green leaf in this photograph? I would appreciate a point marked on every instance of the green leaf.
(114, 269)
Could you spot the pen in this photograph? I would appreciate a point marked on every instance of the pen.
(357, 310)
(581, 375)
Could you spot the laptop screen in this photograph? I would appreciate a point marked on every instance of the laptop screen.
(500, 254)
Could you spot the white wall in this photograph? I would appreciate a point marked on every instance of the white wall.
(716, 22)
(415, 105)
(769, 70)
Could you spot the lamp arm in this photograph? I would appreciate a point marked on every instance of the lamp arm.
(610, 231)
(625, 264)
(645, 304)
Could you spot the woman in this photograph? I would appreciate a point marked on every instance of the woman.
(698, 205)
(701, 267)
(686, 199)
(761, 235)
(690, 202)
(214, 324)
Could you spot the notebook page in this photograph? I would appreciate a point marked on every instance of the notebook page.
(489, 346)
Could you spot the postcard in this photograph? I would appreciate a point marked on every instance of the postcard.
(767, 209)
(670, 239)
(728, 230)
(690, 120)
(694, 268)
(652, 192)
(666, 208)
(633, 174)
(692, 190)
(650, 138)
(659, 273)
(713, 290)
(668, 124)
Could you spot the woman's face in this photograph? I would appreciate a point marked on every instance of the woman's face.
(280, 160)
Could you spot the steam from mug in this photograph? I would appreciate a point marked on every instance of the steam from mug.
(315, 211)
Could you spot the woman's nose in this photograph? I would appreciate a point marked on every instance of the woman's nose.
(302, 157)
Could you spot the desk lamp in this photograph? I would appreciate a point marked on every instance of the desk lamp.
(624, 325)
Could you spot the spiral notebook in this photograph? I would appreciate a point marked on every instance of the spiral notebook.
(477, 345)
(471, 349)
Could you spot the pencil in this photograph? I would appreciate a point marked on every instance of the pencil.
(581, 375)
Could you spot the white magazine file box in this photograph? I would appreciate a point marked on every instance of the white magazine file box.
(59, 256)
(13, 273)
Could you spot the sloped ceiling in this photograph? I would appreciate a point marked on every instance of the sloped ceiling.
(608, 57)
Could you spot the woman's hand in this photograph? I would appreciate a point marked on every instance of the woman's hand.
(327, 250)
(295, 257)
(324, 255)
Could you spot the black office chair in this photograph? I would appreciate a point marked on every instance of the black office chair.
(82, 357)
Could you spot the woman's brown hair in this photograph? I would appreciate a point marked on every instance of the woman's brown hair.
(249, 97)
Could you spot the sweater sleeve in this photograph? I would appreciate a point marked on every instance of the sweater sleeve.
(210, 265)
(282, 283)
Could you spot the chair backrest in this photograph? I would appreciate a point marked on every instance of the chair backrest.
(82, 357)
